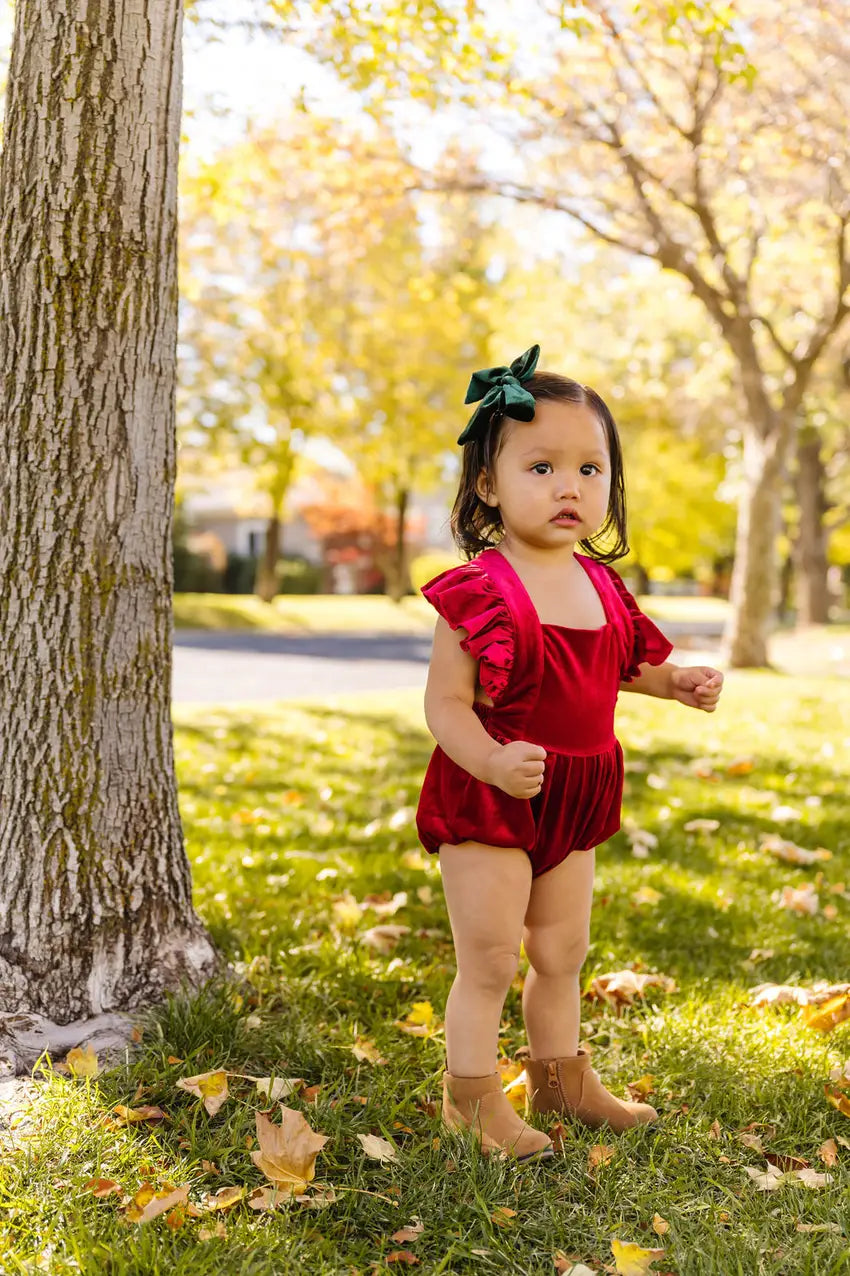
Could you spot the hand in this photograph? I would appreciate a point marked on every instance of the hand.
(517, 768)
(697, 686)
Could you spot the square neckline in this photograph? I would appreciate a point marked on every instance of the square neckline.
(570, 629)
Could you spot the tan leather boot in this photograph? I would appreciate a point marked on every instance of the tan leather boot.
(570, 1086)
(480, 1104)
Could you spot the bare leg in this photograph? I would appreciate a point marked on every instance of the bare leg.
(487, 890)
(556, 937)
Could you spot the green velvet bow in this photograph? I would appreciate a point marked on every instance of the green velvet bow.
(501, 393)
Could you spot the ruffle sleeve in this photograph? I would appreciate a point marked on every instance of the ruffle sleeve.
(649, 646)
(467, 598)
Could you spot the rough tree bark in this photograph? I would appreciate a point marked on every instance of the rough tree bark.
(95, 892)
(810, 548)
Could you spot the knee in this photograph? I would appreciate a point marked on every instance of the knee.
(490, 969)
(556, 950)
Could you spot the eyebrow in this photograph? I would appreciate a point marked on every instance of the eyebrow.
(592, 455)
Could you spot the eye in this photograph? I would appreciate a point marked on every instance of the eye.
(590, 465)
(537, 466)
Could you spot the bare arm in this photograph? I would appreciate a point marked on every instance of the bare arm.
(654, 680)
(518, 767)
(449, 696)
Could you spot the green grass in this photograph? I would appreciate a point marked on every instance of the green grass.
(308, 613)
(302, 613)
(288, 809)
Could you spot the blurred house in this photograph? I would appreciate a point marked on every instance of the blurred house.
(329, 521)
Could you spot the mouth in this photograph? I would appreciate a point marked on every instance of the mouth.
(566, 516)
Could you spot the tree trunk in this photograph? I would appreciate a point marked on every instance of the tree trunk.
(753, 590)
(266, 586)
(95, 890)
(641, 578)
(398, 577)
(810, 549)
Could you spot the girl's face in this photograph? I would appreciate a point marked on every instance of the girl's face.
(557, 462)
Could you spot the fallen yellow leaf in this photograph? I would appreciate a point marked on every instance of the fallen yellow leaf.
(101, 1187)
(420, 1021)
(287, 1152)
(631, 1260)
(224, 1198)
(134, 1116)
(82, 1063)
(209, 1086)
(366, 1051)
(829, 1015)
(599, 1154)
(379, 1149)
(148, 1204)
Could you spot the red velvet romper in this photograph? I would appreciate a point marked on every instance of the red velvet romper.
(551, 685)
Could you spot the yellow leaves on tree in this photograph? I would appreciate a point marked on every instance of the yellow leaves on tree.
(287, 1152)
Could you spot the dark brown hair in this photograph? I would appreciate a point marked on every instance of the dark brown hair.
(476, 525)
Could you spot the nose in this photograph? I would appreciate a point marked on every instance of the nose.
(568, 487)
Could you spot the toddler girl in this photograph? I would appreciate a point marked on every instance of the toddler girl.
(532, 643)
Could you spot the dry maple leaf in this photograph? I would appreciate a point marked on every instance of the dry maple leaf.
(786, 1162)
(643, 1087)
(647, 895)
(517, 1093)
(660, 1225)
(797, 899)
(219, 1232)
(224, 1198)
(420, 1021)
(502, 1216)
(401, 1256)
(567, 1266)
(830, 1014)
(209, 1086)
(366, 1051)
(102, 1187)
(148, 1204)
(274, 1088)
(631, 1259)
(828, 1152)
(622, 986)
(377, 1148)
(599, 1154)
(384, 938)
(134, 1116)
(287, 1152)
(702, 826)
(82, 1063)
(267, 1198)
(409, 1234)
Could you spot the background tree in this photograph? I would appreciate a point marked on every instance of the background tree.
(711, 142)
(95, 903)
(416, 322)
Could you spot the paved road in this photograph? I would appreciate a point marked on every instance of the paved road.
(212, 667)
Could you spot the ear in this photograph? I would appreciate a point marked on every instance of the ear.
(483, 489)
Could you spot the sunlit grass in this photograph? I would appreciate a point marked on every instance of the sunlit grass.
(287, 810)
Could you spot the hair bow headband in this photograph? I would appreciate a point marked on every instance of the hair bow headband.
(501, 393)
